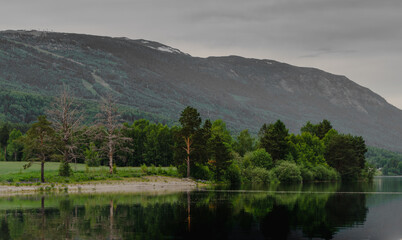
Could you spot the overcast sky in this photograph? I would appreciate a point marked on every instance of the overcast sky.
(361, 39)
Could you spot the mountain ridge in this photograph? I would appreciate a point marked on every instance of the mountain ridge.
(151, 78)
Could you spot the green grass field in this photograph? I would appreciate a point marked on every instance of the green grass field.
(14, 172)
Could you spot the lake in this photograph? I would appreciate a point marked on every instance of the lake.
(309, 211)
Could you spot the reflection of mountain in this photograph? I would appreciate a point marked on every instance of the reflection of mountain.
(214, 215)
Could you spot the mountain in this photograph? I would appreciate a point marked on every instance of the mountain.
(156, 81)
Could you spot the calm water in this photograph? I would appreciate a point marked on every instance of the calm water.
(317, 211)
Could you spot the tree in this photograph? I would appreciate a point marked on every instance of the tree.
(39, 144)
(259, 158)
(111, 134)
(14, 146)
(307, 149)
(190, 121)
(319, 130)
(220, 155)
(323, 128)
(66, 118)
(244, 143)
(4, 135)
(345, 153)
(273, 138)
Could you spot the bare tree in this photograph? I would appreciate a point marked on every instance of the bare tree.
(113, 139)
(66, 119)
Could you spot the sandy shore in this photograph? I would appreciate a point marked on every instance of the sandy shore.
(145, 184)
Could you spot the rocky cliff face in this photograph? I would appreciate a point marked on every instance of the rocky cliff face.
(152, 78)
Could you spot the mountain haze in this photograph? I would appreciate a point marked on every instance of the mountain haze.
(156, 81)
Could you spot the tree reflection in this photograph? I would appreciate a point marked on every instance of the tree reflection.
(188, 215)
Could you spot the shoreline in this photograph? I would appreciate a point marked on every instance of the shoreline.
(137, 185)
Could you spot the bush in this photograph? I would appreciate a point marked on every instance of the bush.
(324, 173)
(199, 171)
(171, 171)
(92, 157)
(144, 169)
(258, 175)
(65, 169)
(152, 170)
(182, 170)
(306, 174)
(288, 172)
(368, 172)
(259, 158)
(233, 174)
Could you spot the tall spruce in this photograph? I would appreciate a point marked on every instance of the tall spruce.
(274, 139)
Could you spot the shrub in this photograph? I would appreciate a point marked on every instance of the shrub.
(258, 175)
(182, 170)
(324, 173)
(92, 157)
(288, 172)
(152, 170)
(65, 169)
(171, 171)
(233, 174)
(259, 158)
(144, 169)
(200, 171)
(306, 174)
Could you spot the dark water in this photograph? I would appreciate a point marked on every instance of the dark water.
(316, 211)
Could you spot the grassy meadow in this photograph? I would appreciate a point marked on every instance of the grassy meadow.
(14, 173)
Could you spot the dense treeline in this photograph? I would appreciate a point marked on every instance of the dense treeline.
(390, 163)
(200, 149)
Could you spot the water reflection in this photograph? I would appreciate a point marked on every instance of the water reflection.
(302, 213)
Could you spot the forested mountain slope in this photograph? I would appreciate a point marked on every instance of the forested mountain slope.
(155, 81)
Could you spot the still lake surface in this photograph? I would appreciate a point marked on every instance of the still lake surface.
(309, 211)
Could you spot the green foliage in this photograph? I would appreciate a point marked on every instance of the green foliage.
(258, 158)
(200, 171)
(306, 174)
(324, 173)
(368, 172)
(258, 175)
(307, 149)
(233, 174)
(39, 143)
(244, 143)
(190, 121)
(14, 146)
(152, 144)
(319, 130)
(65, 169)
(92, 156)
(219, 129)
(389, 162)
(288, 172)
(4, 135)
(273, 138)
(220, 155)
(346, 154)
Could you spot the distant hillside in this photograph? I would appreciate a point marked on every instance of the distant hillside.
(156, 81)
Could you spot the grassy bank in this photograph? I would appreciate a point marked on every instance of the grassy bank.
(14, 173)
